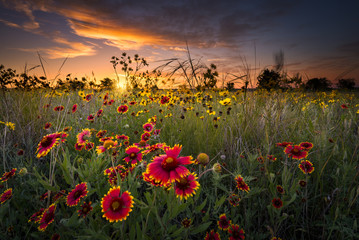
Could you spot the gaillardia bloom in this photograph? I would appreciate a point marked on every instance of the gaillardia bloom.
(186, 223)
(83, 136)
(6, 195)
(47, 217)
(280, 189)
(116, 206)
(85, 209)
(122, 109)
(36, 216)
(46, 144)
(108, 144)
(76, 194)
(284, 144)
(7, 175)
(235, 232)
(234, 200)
(223, 222)
(145, 136)
(91, 118)
(212, 235)
(47, 125)
(58, 108)
(74, 108)
(134, 155)
(277, 203)
(169, 167)
(186, 186)
(241, 185)
(306, 166)
(296, 152)
(148, 127)
(306, 145)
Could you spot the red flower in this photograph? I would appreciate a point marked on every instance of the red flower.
(223, 222)
(58, 108)
(7, 175)
(36, 216)
(91, 118)
(116, 206)
(82, 136)
(145, 136)
(122, 109)
(47, 217)
(212, 235)
(74, 108)
(306, 146)
(186, 223)
(148, 127)
(78, 146)
(88, 97)
(122, 137)
(169, 167)
(89, 146)
(234, 200)
(85, 209)
(99, 113)
(306, 166)
(157, 132)
(284, 144)
(47, 125)
(236, 233)
(277, 203)
(296, 152)
(302, 183)
(134, 155)
(165, 100)
(275, 238)
(46, 144)
(6, 195)
(280, 189)
(186, 186)
(20, 152)
(76, 194)
(241, 185)
(101, 133)
(344, 106)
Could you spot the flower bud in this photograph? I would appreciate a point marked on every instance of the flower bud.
(203, 159)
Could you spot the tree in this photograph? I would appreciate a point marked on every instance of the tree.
(317, 84)
(269, 79)
(107, 83)
(348, 83)
(6, 76)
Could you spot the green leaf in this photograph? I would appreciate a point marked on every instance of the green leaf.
(178, 209)
(219, 202)
(200, 207)
(201, 228)
(177, 232)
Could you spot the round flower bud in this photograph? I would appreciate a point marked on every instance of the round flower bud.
(217, 168)
(203, 159)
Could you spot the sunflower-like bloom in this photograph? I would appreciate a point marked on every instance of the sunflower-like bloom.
(122, 109)
(148, 127)
(76, 194)
(306, 145)
(296, 152)
(7, 175)
(223, 222)
(169, 167)
(47, 143)
(236, 233)
(134, 155)
(6, 195)
(277, 203)
(47, 217)
(212, 235)
(186, 186)
(116, 206)
(85, 209)
(306, 166)
(241, 185)
(83, 136)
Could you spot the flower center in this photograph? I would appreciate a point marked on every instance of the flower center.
(116, 205)
(46, 142)
(295, 150)
(169, 163)
(133, 155)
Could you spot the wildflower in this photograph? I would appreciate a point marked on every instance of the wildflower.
(223, 222)
(85, 209)
(203, 159)
(122, 137)
(280, 189)
(88, 97)
(44, 196)
(58, 195)
(271, 158)
(306, 166)
(36, 216)
(101, 133)
(89, 146)
(47, 217)
(165, 100)
(99, 113)
(186, 223)
(116, 206)
(235, 232)
(141, 144)
(90, 118)
(67, 129)
(47, 126)
(122, 109)
(344, 106)
(58, 108)
(302, 183)
(134, 155)
(108, 144)
(186, 186)
(284, 144)
(234, 200)
(157, 132)
(83, 136)
(169, 167)
(148, 127)
(296, 152)
(275, 238)
(212, 235)
(241, 185)
(10, 125)
(145, 136)
(225, 102)
(277, 203)
(7, 175)
(76, 194)
(78, 146)
(6, 195)
(47, 143)
(112, 173)
(74, 108)
(81, 94)
(306, 146)
(210, 112)
(217, 168)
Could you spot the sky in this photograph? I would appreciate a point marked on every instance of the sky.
(318, 38)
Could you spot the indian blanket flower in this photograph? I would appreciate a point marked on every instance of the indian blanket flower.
(134, 155)
(7, 175)
(85, 209)
(90, 118)
(202, 158)
(89, 146)
(235, 232)
(277, 203)
(157, 132)
(271, 158)
(36, 216)
(186, 186)
(306, 146)
(122, 137)
(76, 194)
(101, 133)
(99, 113)
(241, 184)
(296, 152)
(112, 173)
(212, 235)
(6, 195)
(83, 136)
(306, 166)
(74, 108)
(234, 200)
(148, 127)
(47, 125)
(145, 136)
(344, 106)
(122, 109)
(280, 189)
(47, 143)
(78, 146)
(302, 183)
(154, 148)
(223, 222)
(165, 100)
(142, 144)
(284, 144)
(108, 144)
(88, 97)
(117, 206)
(47, 217)
(169, 167)
(186, 223)
(58, 108)
(58, 195)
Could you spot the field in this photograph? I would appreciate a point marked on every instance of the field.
(179, 164)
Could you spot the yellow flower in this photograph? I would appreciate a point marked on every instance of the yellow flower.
(210, 112)
(225, 102)
(81, 94)
(10, 125)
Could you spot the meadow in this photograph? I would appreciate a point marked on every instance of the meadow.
(179, 164)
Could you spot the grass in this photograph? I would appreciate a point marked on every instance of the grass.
(245, 130)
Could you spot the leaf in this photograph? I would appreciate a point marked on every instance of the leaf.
(200, 207)
(201, 228)
(219, 202)
(177, 210)
(177, 232)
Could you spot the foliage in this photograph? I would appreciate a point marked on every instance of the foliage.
(346, 83)
(317, 84)
(269, 79)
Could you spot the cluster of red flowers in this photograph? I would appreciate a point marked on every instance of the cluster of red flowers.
(49, 141)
